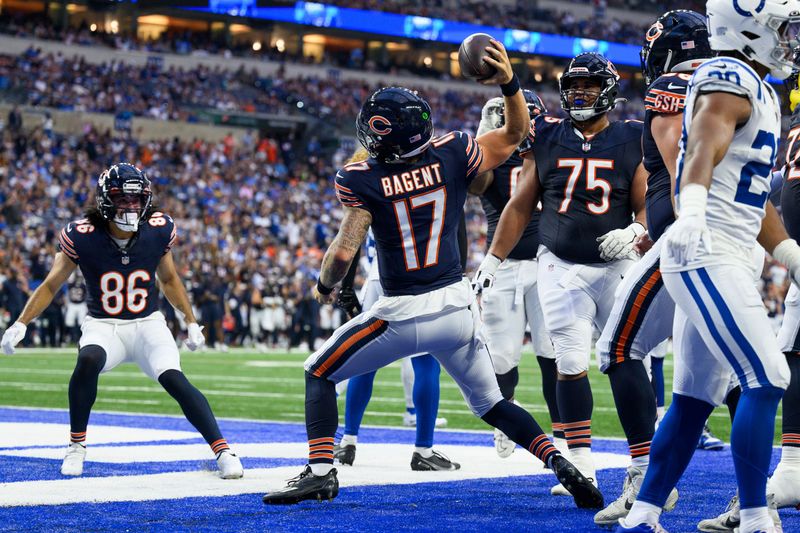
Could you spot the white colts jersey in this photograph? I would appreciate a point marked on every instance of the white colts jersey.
(741, 182)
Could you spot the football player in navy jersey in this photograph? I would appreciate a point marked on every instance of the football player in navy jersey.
(122, 247)
(587, 172)
(411, 191)
(785, 481)
(642, 315)
(513, 301)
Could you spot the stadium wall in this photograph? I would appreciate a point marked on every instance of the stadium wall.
(72, 122)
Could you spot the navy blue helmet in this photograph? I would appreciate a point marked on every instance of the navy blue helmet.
(593, 66)
(123, 195)
(676, 42)
(394, 123)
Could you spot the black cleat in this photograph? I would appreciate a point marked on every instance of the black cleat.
(306, 486)
(586, 495)
(345, 454)
(437, 461)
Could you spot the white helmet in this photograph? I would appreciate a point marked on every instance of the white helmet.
(764, 31)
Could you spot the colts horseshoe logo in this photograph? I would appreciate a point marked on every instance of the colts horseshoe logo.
(380, 125)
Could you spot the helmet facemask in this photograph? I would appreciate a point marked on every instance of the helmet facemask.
(129, 208)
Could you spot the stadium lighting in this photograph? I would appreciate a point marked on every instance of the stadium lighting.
(93, 27)
(114, 26)
(428, 61)
(256, 46)
(280, 44)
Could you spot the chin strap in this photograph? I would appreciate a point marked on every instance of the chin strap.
(127, 221)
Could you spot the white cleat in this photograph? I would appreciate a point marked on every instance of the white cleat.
(503, 445)
(230, 467)
(729, 520)
(619, 508)
(73, 461)
(441, 422)
(785, 486)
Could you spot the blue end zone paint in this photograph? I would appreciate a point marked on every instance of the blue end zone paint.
(508, 504)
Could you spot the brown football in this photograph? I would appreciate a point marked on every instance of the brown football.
(471, 54)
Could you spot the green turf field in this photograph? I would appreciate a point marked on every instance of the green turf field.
(245, 384)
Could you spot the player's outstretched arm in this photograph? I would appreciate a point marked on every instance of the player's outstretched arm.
(175, 292)
(517, 213)
(498, 145)
(44, 293)
(172, 287)
(38, 302)
(340, 254)
(716, 117)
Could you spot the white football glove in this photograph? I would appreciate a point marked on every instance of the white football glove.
(690, 229)
(484, 277)
(618, 243)
(12, 336)
(788, 254)
(491, 115)
(194, 336)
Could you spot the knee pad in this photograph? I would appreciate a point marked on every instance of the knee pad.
(91, 359)
(572, 363)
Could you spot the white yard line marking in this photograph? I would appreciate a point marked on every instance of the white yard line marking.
(377, 464)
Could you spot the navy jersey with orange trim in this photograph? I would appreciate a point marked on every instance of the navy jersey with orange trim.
(790, 195)
(666, 96)
(120, 283)
(585, 184)
(416, 208)
(496, 197)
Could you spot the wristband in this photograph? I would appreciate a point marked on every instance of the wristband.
(322, 289)
(692, 200)
(511, 88)
(788, 254)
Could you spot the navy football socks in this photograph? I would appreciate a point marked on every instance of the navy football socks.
(83, 388)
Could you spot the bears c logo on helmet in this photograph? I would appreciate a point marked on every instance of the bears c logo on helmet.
(380, 125)
(654, 32)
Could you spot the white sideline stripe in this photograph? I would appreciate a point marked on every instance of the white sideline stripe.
(377, 464)
(23, 434)
(50, 387)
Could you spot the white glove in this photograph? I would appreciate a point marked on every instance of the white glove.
(484, 277)
(194, 336)
(12, 336)
(491, 115)
(690, 229)
(788, 254)
(618, 243)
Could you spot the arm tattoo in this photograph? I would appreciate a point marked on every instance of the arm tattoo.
(351, 234)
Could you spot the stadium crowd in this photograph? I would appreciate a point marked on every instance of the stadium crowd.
(254, 217)
(71, 83)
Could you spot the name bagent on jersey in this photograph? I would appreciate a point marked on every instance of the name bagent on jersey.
(414, 180)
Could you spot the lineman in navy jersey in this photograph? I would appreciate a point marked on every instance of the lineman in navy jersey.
(642, 315)
(785, 481)
(121, 247)
(411, 191)
(513, 301)
(588, 174)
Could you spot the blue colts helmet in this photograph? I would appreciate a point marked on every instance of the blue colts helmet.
(676, 42)
(123, 195)
(394, 123)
